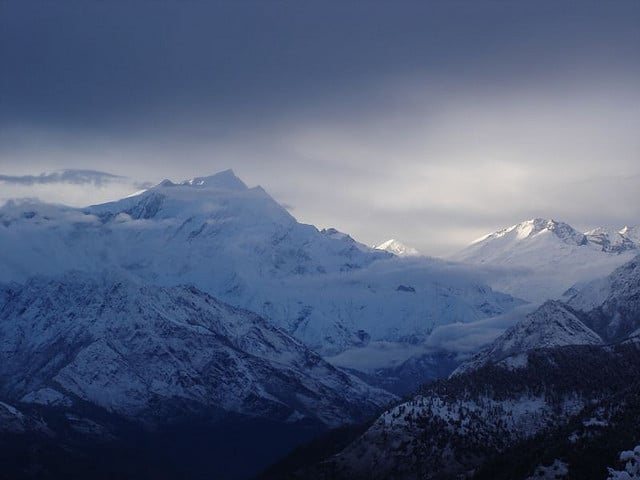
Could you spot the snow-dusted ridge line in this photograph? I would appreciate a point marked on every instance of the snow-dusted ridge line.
(552, 325)
(397, 248)
(128, 347)
(530, 228)
(226, 179)
(628, 236)
(540, 259)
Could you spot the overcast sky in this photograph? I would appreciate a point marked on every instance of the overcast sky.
(429, 122)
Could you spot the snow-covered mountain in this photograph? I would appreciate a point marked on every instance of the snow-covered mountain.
(562, 382)
(604, 311)
(540, 259)
(552, 325)
(140, 351)
(397, 248)
(535, 227)
(632, 233)
(613, 303)
(612, 241)
(240, 245)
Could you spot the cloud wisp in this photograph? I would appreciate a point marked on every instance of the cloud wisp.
(76, 188)
(77, 177)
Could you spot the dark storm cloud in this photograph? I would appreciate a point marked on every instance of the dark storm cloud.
(110, 64)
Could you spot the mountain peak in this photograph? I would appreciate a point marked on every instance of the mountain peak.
(562, 230)
(397, 248)
(536, 226)
(226, 180)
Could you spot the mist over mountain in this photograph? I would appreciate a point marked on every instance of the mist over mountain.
(191, 309)
(236, 240)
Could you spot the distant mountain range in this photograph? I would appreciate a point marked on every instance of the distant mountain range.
(540, 259)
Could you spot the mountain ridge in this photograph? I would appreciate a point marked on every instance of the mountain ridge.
(540, 259)
(129, 348)
(605, 311)
(397, 248)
